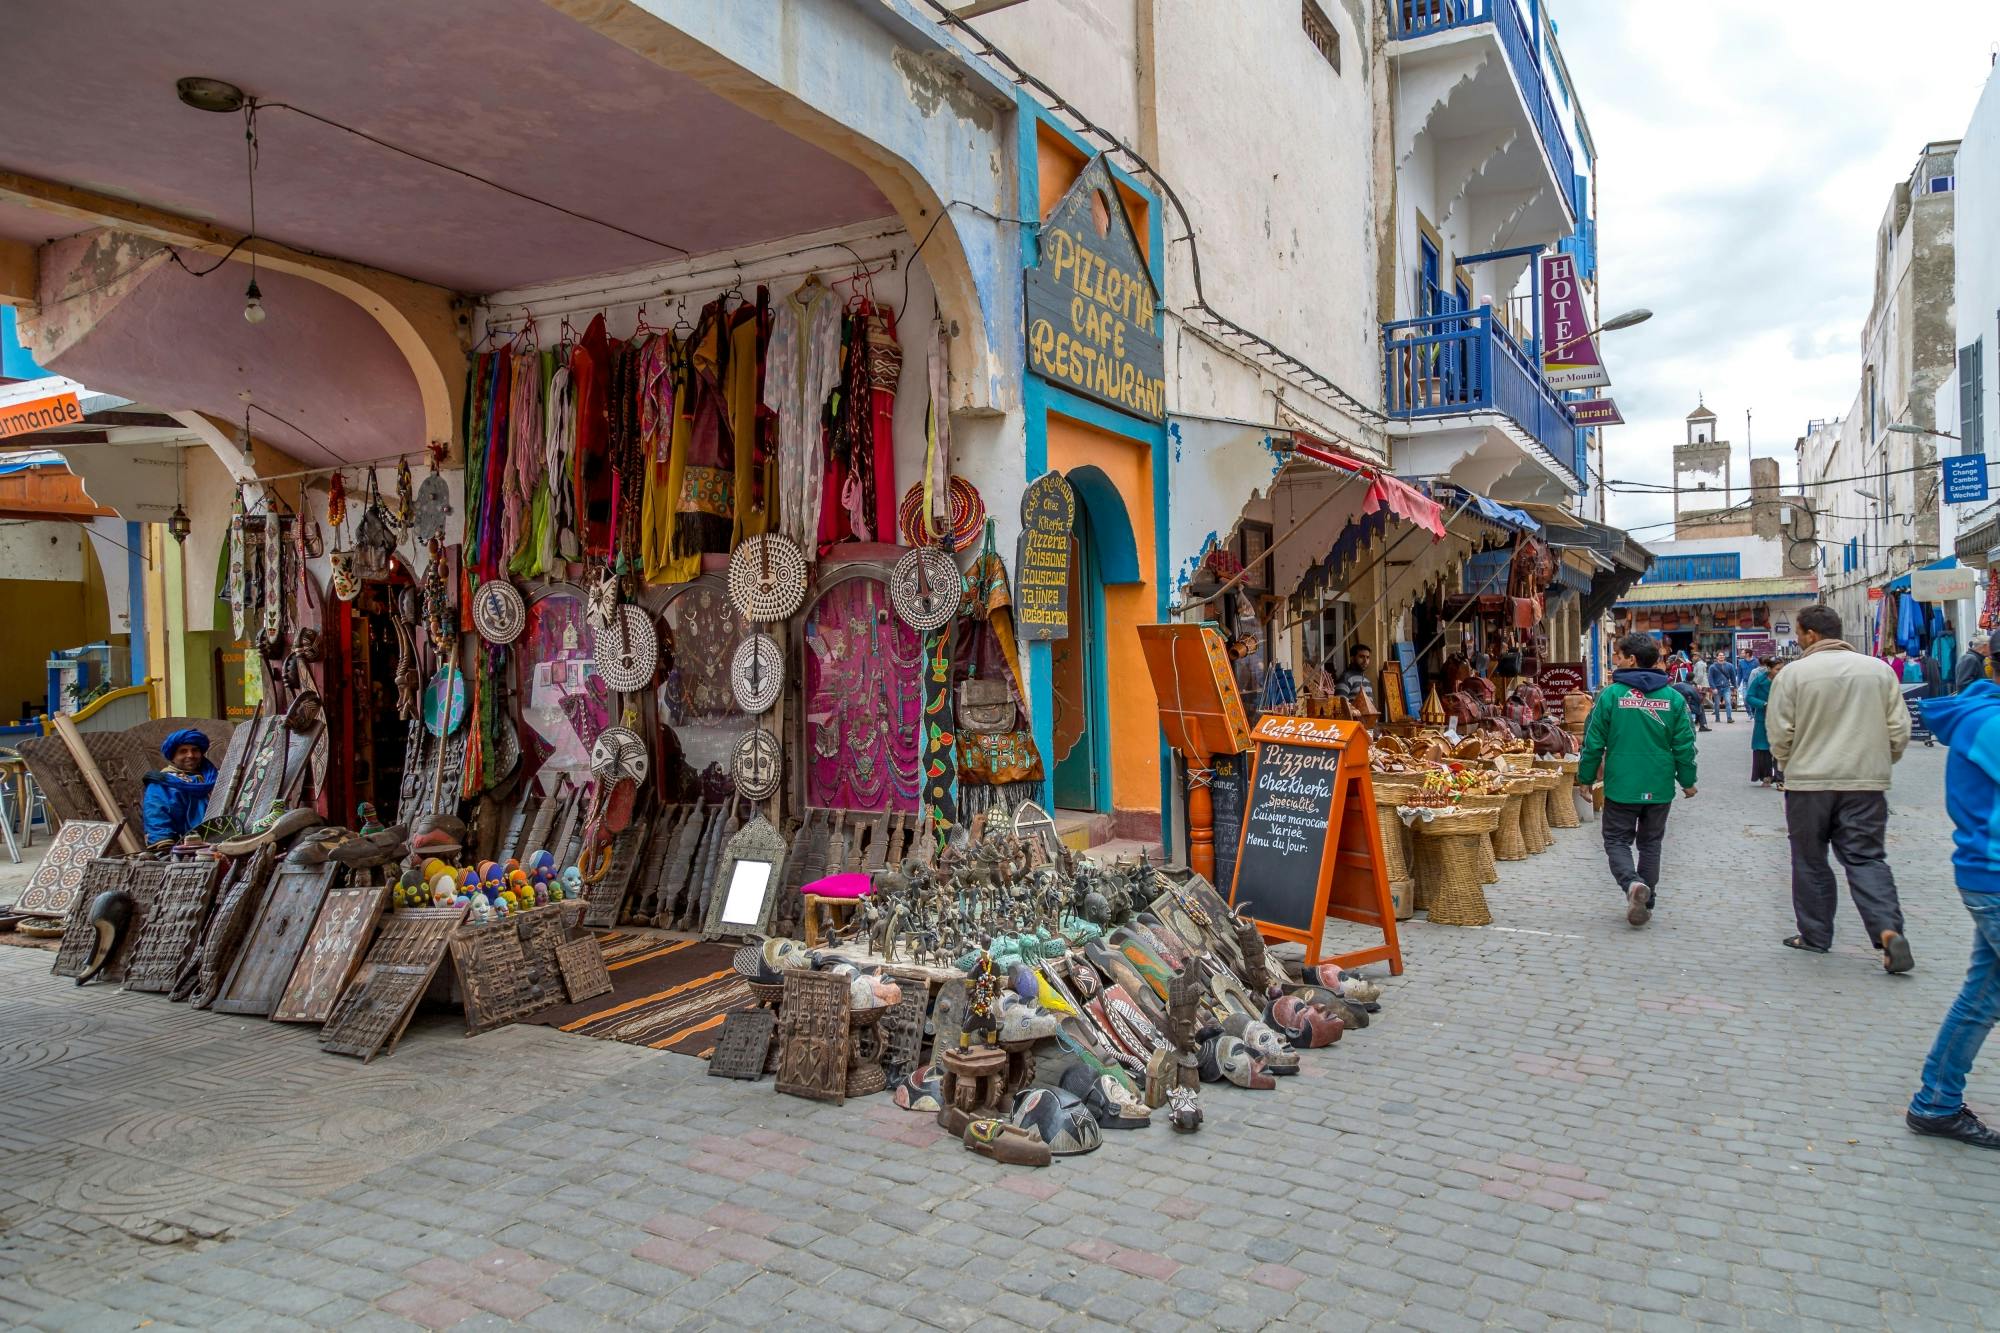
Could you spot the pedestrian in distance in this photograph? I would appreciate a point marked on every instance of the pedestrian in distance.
(1969, 725)
(1640, 738)
(1698, 673)
(1838, 724)
(1973, 665)
(1722, 677)
(1756, 701)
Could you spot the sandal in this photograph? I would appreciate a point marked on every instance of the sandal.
(1799, 942)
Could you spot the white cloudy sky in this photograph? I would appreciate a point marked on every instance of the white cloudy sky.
(1745, 154)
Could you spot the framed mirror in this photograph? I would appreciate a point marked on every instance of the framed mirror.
(746, 883)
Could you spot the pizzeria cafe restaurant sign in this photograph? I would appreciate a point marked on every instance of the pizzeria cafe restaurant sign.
(1092, 309)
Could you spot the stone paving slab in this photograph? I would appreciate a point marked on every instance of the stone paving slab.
(1557, 1121)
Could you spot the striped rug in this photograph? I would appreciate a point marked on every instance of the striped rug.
(668, 993)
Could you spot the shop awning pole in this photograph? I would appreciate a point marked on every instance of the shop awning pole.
(1272, 549)
(1355, 628)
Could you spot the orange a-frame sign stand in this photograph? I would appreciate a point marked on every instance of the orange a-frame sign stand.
(1315, 763)
(1201, 714)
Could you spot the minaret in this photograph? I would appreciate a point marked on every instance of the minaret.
(1701, 463)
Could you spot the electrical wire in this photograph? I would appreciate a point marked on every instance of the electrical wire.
(1056, 102)
(473, 176)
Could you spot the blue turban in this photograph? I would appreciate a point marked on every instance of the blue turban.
(185, 736)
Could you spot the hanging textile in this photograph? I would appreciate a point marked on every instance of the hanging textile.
(482, 522)
(659, 366)
(239, 585)
(802, 368)
(590, 375)
(559, 539)
(1009, 757)
(478, 381)
(864, 702)
(662, 564)
(937, 426)
(628, 459)
(524, 450)
(860, 498)
(940, 749)
(751, 424)
(705, 510)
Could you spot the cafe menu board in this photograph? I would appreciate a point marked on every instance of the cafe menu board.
(1285, 832)
(1311, 847)
(1228, 788)
(1041, 561)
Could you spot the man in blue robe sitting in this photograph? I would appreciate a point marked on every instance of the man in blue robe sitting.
(177, 795)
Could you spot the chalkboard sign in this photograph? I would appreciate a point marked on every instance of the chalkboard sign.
(1041, 560)
(1228, 786)
(1311, 847)
(1284, 833)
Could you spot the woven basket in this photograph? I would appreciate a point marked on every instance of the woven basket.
(1395, 849)
(1489, 873)
(1456, 896)
(1562, 798)
(1535, 814)
(1507, 842)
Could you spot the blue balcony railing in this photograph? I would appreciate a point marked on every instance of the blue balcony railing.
(1420, 18)
(1445, 365)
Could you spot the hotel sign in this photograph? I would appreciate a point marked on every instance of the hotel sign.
(1093, 313)
(1569, 353)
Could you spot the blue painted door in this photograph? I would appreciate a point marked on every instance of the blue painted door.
(1076, 664)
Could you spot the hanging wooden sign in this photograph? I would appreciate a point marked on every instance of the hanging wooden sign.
(1311, 847)
(1092, 308)
(1042, 558)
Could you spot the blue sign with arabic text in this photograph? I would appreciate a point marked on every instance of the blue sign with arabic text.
(1964, 479)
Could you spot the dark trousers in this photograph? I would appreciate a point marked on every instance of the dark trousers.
(1853, 824)
(1647, 826)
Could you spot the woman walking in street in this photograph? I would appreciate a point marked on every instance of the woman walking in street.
(1756, 698)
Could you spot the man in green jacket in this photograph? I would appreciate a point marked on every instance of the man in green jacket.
(1642, 738)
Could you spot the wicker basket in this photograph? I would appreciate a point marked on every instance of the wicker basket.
(1562, 797)
(1507, 842)
(1489, 873)
(1456, 898)
(1535, 814)
(1395, 838)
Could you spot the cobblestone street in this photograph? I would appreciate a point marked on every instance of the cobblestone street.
(1556, 1120)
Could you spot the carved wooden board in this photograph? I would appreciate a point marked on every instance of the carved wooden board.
(277, 936)
(79, 936)
(142, 881)
(743, 1045)
(902, 1028)
(59, 878)
(173, 926)
(378, 1003)
(242, 891)
(492, 975)
(373, 1011)
(583, 972)
(333, 951)
(812, 1042)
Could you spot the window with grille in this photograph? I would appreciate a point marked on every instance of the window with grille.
(1972, 398)
(1320, 30)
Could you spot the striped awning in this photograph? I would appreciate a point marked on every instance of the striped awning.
(1718, 592)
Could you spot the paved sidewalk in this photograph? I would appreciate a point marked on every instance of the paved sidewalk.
(1556, 1121)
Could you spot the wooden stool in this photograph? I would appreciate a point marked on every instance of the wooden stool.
(864, 1051)
(972, 1085)
(1020, 1065)
(1507, 841)
(1535, 815)
(1457, 898)
(842, 908)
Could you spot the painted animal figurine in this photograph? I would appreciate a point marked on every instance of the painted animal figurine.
(111, 918)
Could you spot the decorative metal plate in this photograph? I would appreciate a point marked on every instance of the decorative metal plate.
(757, 673)
(628, 651)
(618, 752)
(767, 578)
(757, 765)
(743, 1044)
(583, 972)
(433, 507)
(926, 588)
(444, 701)
(499, 612)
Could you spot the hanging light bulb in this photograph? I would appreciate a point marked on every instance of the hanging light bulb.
(179, 524)
(253, 304)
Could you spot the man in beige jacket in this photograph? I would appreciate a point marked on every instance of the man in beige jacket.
(1837, 724)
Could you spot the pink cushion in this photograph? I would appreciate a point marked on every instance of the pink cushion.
(853, 884)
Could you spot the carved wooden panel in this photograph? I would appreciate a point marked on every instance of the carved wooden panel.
(491, 976)
(276, 938)
(373, 1010)
(333, 951)
(173, 926)
(584, 975)
(743, 1044)
(59, 877)
(414, 935)
(603, 897)
(812, 1044)
(79, 936)
(242, 892)
(902, 1028)
(142, 880)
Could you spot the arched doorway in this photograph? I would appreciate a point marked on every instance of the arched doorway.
(1083, 720)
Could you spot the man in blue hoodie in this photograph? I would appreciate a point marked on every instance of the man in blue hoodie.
(1968, 722)
(176, 797)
